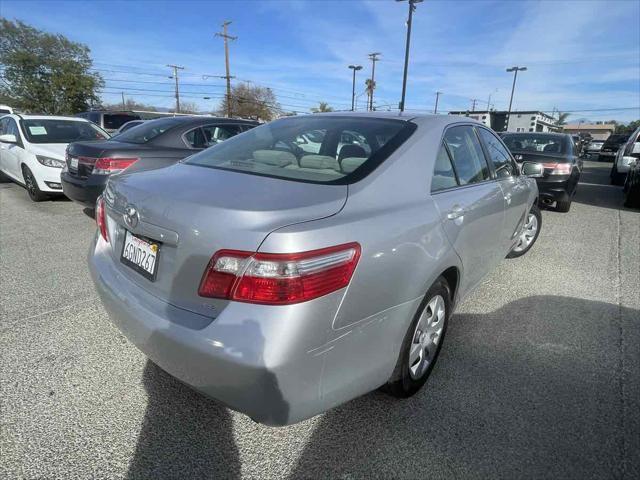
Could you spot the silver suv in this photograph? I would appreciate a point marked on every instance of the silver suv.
(283, 282)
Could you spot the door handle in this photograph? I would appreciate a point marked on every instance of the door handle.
(455, 212)
(507, 197)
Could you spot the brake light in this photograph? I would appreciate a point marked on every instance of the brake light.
(101, 218)
(557, 168)
(279, 278)
(107, 166)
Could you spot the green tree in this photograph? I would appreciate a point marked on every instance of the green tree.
(562, 118)
(130, 104)
(322, 107)
(252, 101)
(628, 128)
(45, 73)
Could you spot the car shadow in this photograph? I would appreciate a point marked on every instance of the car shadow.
(595, 188)
(183, 434)
(531, 390)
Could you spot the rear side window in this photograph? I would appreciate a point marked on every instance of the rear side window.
(467, 156)
(214, 134)
(443, 175)
(498, 155)
(93, 117)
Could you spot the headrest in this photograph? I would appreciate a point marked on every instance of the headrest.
(552, 147)
(351, 151)
(277, 158)
(319, 162)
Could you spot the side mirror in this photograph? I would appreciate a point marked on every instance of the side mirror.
(8, 138)
(532, 169)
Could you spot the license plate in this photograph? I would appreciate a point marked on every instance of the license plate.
(74, 163)
(141, 255)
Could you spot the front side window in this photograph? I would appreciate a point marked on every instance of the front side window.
(60, 131)
(309, 148)
(467, 156)
(443, 175)
(498, 155)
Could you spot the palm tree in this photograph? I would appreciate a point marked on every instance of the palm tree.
(322, 107)
(562, 118)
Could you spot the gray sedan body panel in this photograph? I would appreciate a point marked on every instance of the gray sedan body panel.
(282, 364)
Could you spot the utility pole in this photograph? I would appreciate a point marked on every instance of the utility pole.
(175, 76)
(226, 38)
(435, 110)
(515, 71)
(123, 104)
(374, 59)
(355, 68)
(473, 104)
(412, 8)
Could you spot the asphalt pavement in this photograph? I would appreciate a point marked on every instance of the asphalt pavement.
(539, 376)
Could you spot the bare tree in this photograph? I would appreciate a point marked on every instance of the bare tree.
(251, 101)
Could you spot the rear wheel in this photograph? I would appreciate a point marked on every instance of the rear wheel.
(529, 235)
(422, 342)
(32, 186)
(563, 205)
(632, 197)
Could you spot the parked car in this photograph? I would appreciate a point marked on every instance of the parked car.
(152, 144)
(5, 109)
(285, 283)
(627, 154)
(108, 120)
(611, 146)
(556, 152)
(32, 149)
(594, 147)
(632, 186)
(128, 125)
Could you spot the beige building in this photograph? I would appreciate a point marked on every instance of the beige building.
(598, 131)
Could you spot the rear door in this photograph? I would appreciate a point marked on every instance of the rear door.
(470, 202)
(514, 187)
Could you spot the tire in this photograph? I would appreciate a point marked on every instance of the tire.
(629, 200)
(31, 185)
(563, 206)
(519, 250)
(406, 381)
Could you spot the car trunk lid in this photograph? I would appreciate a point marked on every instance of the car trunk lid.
(86, 154)
(194, 211)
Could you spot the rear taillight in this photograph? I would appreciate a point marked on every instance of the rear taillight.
(279, 278)
(107, 166)
(101, 218)
(557, 168)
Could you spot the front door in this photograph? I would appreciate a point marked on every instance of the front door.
(514, 188)
(470, 203)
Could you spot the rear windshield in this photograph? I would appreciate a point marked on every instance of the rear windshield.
(61, 131)
(537, 143)
(318, 149)
(2, 110)
(148, 130)
(116, 120)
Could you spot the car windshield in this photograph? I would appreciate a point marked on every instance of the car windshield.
(61, 131)
(538, 143)
(148, 130)
(116, 120)
(343, 149)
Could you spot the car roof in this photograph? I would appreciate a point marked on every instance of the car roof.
(48, 117)
(535, 134)
(422, 119)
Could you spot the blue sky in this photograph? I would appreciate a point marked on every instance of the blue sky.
(581, 55)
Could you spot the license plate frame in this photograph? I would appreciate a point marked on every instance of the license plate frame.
(151, 276)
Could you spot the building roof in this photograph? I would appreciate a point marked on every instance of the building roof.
(590, 126)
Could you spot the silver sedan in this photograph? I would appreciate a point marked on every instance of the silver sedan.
(283, 282)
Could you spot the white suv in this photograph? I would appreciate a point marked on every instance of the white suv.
(32, 149)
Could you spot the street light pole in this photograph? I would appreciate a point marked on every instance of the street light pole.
(435, 110)
(355, 68)
(412, 8)
(515, 71)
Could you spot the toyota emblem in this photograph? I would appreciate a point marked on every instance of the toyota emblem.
(131, 216)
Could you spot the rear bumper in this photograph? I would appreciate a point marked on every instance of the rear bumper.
(555, 190)
(278, 365)
(84, 191)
